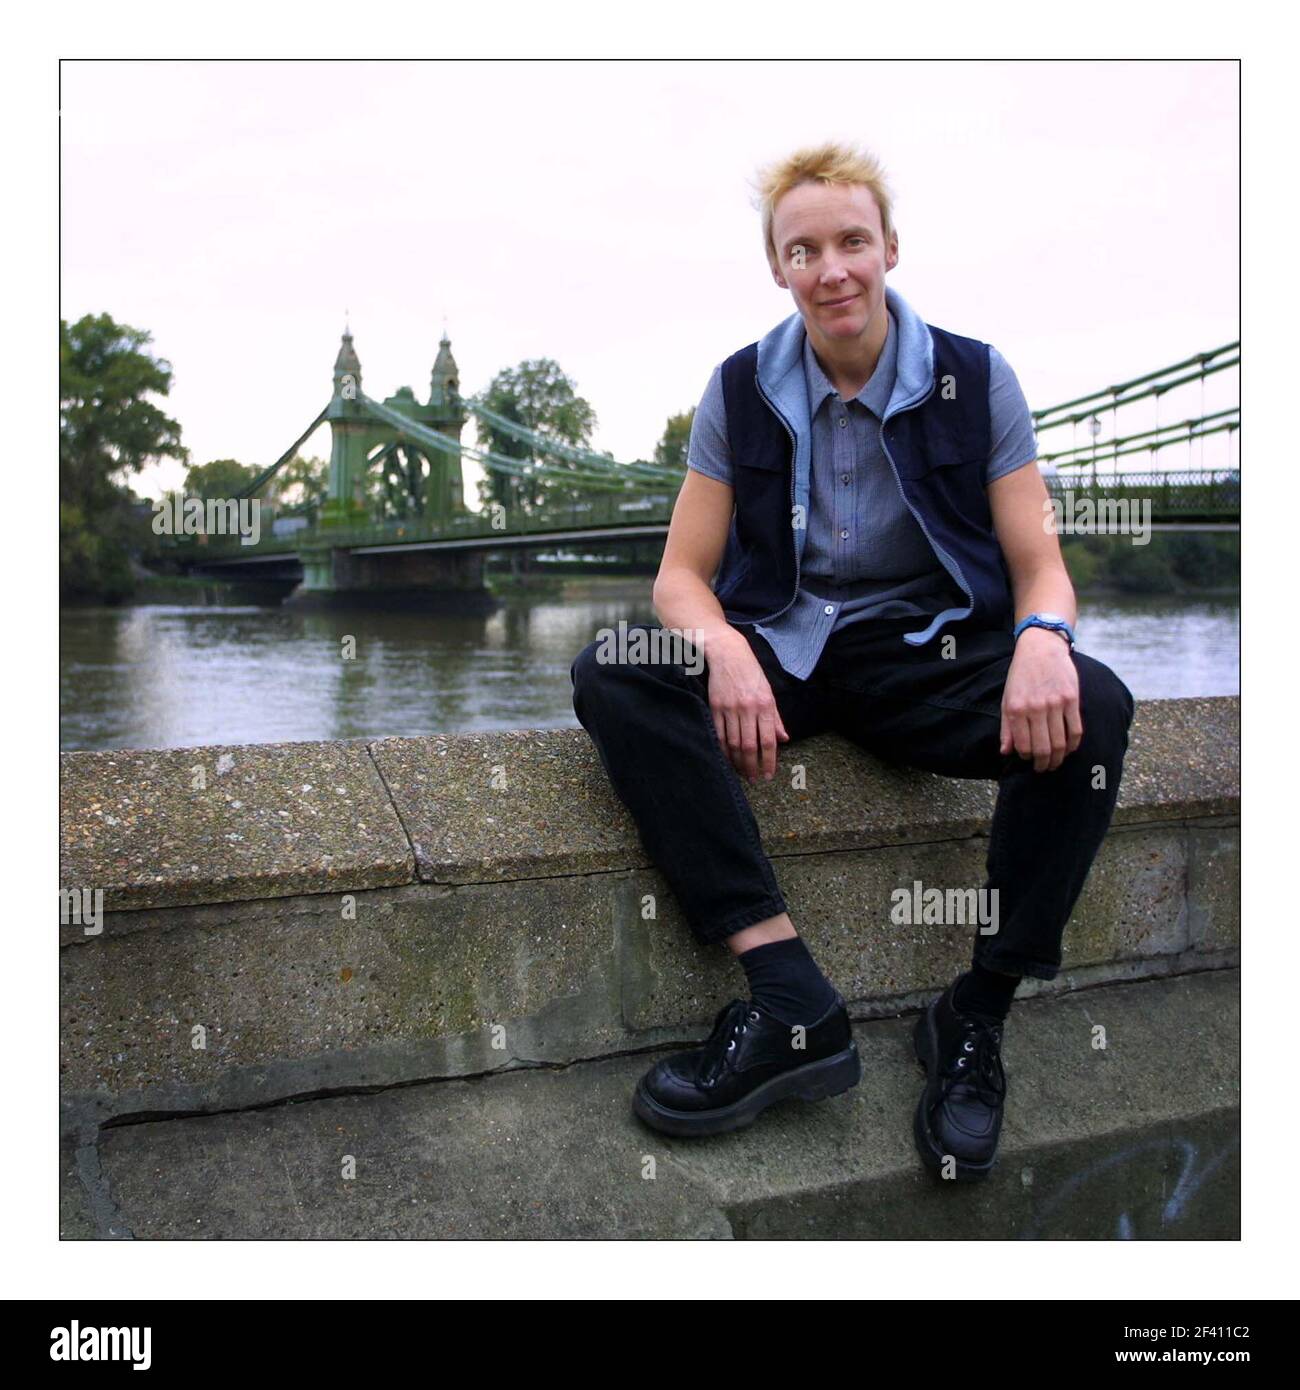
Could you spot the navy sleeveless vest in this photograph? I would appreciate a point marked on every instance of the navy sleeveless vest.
(938, 448)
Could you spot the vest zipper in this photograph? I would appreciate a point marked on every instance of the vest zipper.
(954, 572)
(793, 447)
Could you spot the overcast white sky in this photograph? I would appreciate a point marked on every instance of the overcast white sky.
(1081, 216)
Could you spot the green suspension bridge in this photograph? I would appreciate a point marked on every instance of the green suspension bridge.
(398, 455)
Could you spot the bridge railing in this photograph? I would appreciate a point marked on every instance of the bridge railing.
(1171, 493)
(607, 511)
(1189, 492)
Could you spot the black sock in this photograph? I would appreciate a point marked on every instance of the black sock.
(785, 982)
(985, 992)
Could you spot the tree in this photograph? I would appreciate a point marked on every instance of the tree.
(220, 479)
(395, 482)
(301, 486)
(537, 395)
(670, 452)
(108, 429)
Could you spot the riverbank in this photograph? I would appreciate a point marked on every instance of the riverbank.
(151, 589)
(1182, 564)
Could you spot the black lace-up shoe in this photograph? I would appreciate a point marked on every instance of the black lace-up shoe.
(750, 1061)
(960, 1112)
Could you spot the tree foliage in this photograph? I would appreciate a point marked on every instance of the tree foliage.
(301, 486)
(396, 485)
(1170, 563)
(670, 452)
(108, 430)
(537, 395)
(221, 478)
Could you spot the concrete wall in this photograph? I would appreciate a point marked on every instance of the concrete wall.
(298, 919)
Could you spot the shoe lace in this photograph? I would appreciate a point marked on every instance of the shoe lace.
(732, 1020)
(978, 1062)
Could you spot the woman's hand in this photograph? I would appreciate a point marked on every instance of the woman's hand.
(1040, 702)
(744, 709)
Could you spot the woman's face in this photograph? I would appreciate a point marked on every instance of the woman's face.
(832, 257)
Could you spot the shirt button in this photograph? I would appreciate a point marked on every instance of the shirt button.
(843, 422)
(830, 608)
(844, 535)
(844, 476)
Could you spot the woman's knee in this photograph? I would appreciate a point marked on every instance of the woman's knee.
(1106, 704)
(601, 666)
(580, 668)
(588, 670)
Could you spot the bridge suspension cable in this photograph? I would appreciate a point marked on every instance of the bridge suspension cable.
(595, 471)
(494, 462)
(1114, 395)
(1078, 455)
(1150, 385)
(651, 471)
(267, 474)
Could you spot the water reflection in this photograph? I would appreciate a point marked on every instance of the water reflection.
(176, 676)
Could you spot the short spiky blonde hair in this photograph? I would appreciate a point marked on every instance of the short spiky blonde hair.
(830, 163)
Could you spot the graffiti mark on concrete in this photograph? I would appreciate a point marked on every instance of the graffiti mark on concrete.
(1192, 1175)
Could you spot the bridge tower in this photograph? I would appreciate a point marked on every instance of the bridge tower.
(427, 482)
(345, 501)
(422, 483)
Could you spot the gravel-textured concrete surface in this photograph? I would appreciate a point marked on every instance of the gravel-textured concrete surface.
(538, 802)
(509, 805)
(210, 1013)
(200, 825)
(1183, 756)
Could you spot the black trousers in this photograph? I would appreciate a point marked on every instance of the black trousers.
(912, 706)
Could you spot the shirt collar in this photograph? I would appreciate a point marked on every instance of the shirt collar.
(874, 395)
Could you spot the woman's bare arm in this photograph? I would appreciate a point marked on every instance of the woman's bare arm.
(744, 710)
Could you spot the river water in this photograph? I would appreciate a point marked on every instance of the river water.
(173, 676)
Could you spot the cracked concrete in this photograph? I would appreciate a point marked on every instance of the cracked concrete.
(1139, 1140)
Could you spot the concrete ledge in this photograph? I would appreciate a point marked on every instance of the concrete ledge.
(522, 805)
(163, 827)
(274, 820)
(1138, 1140)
